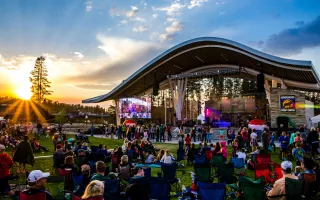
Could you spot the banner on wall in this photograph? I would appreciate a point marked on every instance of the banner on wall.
(287, 103)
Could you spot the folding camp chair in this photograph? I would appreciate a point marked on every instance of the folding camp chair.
(277, 172)
(75, 197)
(263, 170)
(252, 189)
(216, 162)
(263, 159)
(159, 189)
(77, 184)
(94, 149)
(200, 159)
(92, 165)
(203, 173)
(55, 186)
(111, 189)
(226, 172)
(169, 173)
(66, 173)
(39, 196)
(114, 161)
(207, 191)
(293, 190)
(139, 184)
(309, 185)
(239, 165)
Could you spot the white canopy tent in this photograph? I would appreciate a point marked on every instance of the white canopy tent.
(315, 119)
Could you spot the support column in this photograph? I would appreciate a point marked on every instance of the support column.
(118, 119)
(178, 88)
(274, 83)
(283, 86)
(268, 88)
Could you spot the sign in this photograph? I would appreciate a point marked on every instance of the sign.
(287, 103)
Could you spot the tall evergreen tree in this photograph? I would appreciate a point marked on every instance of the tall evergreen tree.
(39, 80)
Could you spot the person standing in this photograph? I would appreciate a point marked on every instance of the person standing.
(24, 155)
(254, 141)
(284, 142)
(245, 134)
(124, 130)
(265, 141)
(39, 128)
(169, 133)
(92, 129)
(313, 139)
(162, 130)
(193, 133)
(157, 133)
(6, 164)
(204, 135)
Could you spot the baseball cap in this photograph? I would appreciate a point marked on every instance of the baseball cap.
(286, 165)
(36, 175)
(2, 147)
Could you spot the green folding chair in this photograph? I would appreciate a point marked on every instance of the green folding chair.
(293, 190)
(203, 173)
(216, 161)
(250, 189)
(55, 186)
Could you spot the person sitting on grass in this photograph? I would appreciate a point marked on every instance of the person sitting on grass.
(94, 190)
(279, 187)
(36, 145)
(242, 154)
(6, 164)
(216, 151)
(192, 151)
(101, 169)
(37, 181)
(150, 157)
(160, 155)
(224, 150)
(167, 158)
(124, 168)
(102, 153)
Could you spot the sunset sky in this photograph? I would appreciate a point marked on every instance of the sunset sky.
(91, 46)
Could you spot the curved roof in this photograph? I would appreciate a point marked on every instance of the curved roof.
(210, 51)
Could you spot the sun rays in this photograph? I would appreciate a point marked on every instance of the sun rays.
(25, 109)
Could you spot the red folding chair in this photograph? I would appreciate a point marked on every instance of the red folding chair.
(74, 197)
(277, 172)
(39, 196)
(263, 170)
(67, 178)
(263, 159)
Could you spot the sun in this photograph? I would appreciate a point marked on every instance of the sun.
(24, 92)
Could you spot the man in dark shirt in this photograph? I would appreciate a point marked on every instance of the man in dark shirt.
(37, 181)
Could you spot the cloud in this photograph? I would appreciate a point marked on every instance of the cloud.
(292, 41)
(124, 22)
(16, 62)
(222, 13)
(88, 6)
(299, 23)
(139, 19)
(166, 37)
(131, 13)
(140, 29)
(196, 3)
(170, 19)
(220, 3)
(226, 32)
(77, 54)
(114, 12)
(155, 15)
(175, 27)
(95, 86)
(173, 9)
(123, 56)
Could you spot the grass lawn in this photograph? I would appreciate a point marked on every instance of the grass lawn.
(45, 164)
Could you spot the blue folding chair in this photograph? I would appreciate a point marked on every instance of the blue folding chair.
(209, 191)
(159, 189)
(169, 173)
(77, 185)
(111, 189)
(239, 165)
(200, 159)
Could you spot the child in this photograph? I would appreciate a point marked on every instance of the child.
(188, 140)
(150, 157)
(224, 150)
(273, 137)
(298, 138)
(234, 147)
(298, 154)
(284, 142)
(292, 137)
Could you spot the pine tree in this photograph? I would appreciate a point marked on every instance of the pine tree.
(39, 80)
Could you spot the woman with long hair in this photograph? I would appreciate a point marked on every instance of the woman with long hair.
(94, 189)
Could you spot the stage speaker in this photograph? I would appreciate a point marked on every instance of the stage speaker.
(282, 122)
(260, 83)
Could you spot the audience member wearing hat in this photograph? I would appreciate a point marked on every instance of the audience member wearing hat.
(280, 185)
(37, 181)
(6, 164)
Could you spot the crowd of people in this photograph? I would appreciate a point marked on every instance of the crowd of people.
(98, 163)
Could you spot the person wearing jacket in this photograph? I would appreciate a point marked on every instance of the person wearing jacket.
(24, 155)
(6, 164)
(313, 139)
